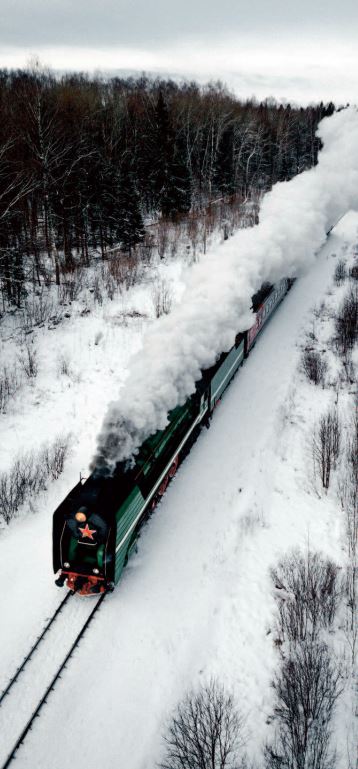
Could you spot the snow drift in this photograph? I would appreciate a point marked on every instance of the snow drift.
(294, 219)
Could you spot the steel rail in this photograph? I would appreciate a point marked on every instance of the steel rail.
(51, 686)
(33, 648)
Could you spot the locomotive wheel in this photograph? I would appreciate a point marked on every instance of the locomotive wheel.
(163, 486)
(174, 467)
(170, 474)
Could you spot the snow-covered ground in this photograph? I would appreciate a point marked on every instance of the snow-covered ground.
(82, 362)
(196, 600)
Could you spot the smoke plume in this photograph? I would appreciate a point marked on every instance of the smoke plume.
(294, 219)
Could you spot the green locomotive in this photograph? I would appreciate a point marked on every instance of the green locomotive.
(96, 526)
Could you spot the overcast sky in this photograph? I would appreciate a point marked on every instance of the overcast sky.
(303, 50)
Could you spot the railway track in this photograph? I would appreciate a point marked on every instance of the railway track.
(29, 688)
(33, 648)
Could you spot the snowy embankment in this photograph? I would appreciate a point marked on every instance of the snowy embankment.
(81, 362)
(197, 600)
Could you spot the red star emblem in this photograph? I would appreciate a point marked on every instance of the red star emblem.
(87, 532)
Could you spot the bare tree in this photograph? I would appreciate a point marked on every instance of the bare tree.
(340, 272)
(352, 448)
(348, 495)
(29, 474)
(193, 234)
(29, 361)
(71, 286)
(309, 680)
(353, 272)
(96, 290)
(53, 456)
(163, 237)
(63, 365)
(10, 383)
(347, 322)
(108, 281)
(326, 446)
(306, 690)
(205, 732)
(314, 366)
(124, 269)
(351, 587)
(24, 479)
(39, 308)
(307, 591)
(17, 182)
(162, 298)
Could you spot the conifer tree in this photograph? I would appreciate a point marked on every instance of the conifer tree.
(130, 225)
(172, 175)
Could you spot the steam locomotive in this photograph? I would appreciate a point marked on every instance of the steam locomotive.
(96, 527)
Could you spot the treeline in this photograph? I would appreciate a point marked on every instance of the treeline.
(84, 162)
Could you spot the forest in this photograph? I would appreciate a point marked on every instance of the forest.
(86, 164)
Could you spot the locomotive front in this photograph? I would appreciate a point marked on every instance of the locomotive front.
(81, 544)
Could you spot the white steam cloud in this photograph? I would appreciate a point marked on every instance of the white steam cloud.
(294, 219)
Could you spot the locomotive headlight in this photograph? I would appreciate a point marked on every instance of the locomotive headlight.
(95, 571)
(66, 565)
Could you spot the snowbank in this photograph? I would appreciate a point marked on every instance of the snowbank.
(295, 217)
